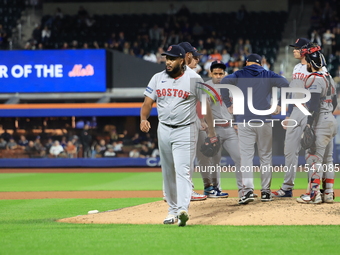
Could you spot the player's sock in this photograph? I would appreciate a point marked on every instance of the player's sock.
(329, 183)
(314, 188)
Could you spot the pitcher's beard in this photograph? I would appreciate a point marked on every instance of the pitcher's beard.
(174, 71)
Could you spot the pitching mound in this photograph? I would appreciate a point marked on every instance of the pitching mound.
(222, 211)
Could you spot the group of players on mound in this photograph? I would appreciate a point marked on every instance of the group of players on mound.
(184, 133)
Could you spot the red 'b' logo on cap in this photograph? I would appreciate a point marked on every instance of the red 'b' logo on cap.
(169, 49)
(297, 40)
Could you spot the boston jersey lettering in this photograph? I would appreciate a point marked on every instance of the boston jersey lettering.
(172, 93)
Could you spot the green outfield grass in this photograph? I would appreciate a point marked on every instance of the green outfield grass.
(29, 227)
(117, 181)
(80, 181)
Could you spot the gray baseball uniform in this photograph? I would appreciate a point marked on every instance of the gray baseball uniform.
(261, 134)
(293, 134)
(320, 159)
(199, 135)
(177, 133)
(229, 141)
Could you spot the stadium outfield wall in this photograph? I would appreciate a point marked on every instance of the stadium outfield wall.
(110, 162)
(121, 162)
(73, 74)
(76, 110)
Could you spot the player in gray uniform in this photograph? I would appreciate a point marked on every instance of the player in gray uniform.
(176, 92)
(228, 138)
(190, 52)
(321, 105)
(292, 145)
(190, 55)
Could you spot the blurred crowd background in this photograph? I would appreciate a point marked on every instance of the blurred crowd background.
(225, 36)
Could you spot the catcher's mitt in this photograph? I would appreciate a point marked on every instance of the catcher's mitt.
(211, 146)
(307, 138)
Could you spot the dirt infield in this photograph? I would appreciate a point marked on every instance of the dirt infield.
(222, 211)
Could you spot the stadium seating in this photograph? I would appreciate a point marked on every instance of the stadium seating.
(264, 35)
(10, 13)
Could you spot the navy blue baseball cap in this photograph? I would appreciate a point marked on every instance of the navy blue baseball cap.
(254, 58)
(175, 51)
(187, 47)
(196, 53)
(300, 42)
(218, 64)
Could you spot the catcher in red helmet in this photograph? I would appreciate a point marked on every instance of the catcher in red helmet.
(320, 130)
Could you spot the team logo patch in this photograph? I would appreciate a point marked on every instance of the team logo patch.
(169, 49)
(148, 89)
(297, 40)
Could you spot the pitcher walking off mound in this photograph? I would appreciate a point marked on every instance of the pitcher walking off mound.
(176, 92)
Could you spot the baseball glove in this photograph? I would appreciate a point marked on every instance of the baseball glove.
(211, 146)
(307, 138)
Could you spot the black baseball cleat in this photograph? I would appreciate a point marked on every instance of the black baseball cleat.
(247, 198)
(266, 196)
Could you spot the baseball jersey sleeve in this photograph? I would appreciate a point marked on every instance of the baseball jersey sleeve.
(290, 109)
(279, 81)
(314, 84)
(226, 97)
(229, 79)
(225, 93)
(313, 107)
(334, 102)
(150, 90)
(314, 102)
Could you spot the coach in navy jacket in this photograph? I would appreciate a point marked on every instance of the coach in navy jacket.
(259, 133)
(255, 76)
